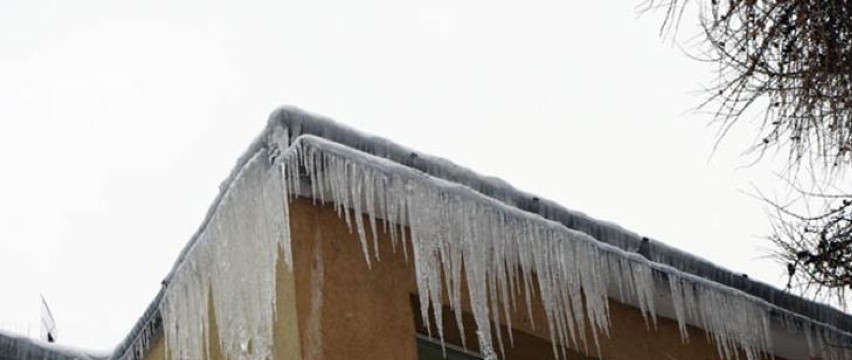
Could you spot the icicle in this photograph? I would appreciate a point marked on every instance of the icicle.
(393, 203)
(643, 287)
(402, 212)
(292, 162)
(423, 263)
(356, 183)
(679, 306)
(320, 172)
(370, 203)
(500, 242)
(452, 255)
(284, 243)
(475, 262)
(525, 257)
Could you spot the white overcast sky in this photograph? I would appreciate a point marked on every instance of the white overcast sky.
(118, 121)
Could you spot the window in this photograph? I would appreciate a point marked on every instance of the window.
(430, 349)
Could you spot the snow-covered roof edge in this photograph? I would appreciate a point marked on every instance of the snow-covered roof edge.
(299, 122)
(16, 347)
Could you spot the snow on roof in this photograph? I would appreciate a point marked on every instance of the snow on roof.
(290, 129)
(17, 347)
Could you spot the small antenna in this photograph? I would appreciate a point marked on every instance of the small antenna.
(48, 325)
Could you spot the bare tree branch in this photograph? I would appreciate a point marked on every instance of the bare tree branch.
(792, 61)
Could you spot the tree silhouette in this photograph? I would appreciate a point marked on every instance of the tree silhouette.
(792, 61)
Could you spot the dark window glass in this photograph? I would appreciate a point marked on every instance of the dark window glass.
(429, 349)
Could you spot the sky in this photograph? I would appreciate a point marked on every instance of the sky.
(118, 121)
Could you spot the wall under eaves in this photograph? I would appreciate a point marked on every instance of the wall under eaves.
(347, 311)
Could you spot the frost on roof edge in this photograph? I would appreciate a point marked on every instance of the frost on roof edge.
(299, 122)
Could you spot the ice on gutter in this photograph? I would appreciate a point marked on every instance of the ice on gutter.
(501, 235)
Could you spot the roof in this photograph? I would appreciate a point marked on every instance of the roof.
(302, 123)
(16, 347)
(290, 128)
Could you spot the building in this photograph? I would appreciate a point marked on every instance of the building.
(326, 243)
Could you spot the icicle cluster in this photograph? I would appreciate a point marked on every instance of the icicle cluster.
(821, 344)
(502, 247)
(232, 264)
(142, 336)
(458, 236)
